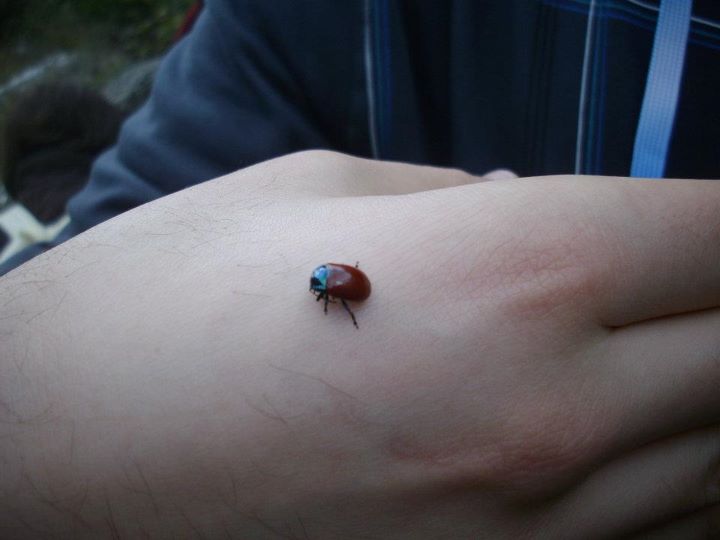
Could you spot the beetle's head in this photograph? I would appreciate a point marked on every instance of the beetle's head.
(318, 280)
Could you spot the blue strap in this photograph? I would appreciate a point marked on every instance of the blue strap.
(662, 88)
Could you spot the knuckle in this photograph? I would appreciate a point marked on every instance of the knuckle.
(528, 452)
(535, 277)
(315, 171)
(319, 158)
(538, 281)
(307, 171)
(547, 449)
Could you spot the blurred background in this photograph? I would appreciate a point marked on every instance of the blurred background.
(70, 72)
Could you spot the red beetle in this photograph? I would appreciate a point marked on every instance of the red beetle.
(332, 280)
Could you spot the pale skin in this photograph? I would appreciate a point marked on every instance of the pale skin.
(540, 358)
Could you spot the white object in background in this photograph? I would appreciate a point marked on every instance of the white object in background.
(23, 229)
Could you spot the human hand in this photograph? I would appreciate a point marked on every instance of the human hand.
(538, 359)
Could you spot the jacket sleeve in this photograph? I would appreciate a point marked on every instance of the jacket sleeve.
(234, 92)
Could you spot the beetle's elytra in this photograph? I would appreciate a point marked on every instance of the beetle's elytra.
(341, 281)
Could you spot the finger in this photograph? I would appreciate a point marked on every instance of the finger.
(499, 174)
(652, 485)
(663, 376)
(660, 244)
(697, 526)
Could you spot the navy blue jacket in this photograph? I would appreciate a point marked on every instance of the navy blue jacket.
(474, 84)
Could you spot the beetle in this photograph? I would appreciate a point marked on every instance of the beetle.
(341, 281)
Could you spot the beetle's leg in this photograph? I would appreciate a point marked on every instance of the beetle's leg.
(327, 299)
(344, 303)
(319, 296)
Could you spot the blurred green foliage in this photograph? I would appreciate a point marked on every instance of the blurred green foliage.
(138, 28)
